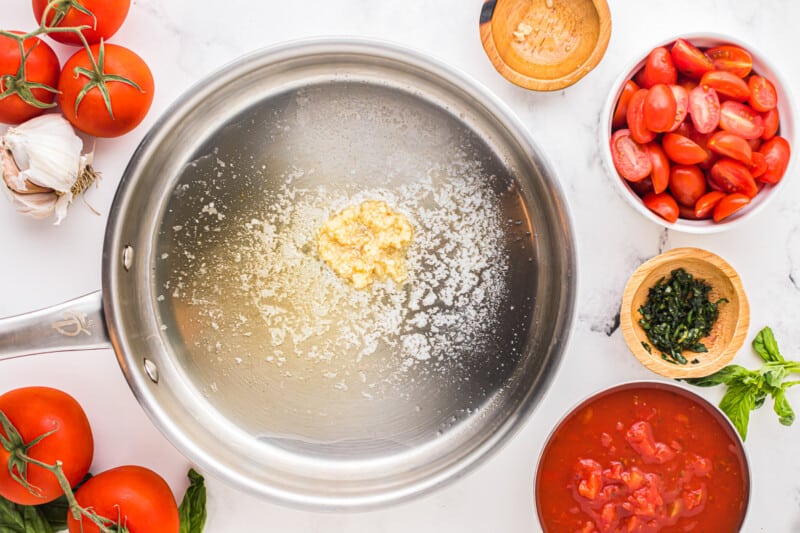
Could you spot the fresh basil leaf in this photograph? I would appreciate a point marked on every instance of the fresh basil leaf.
(783, 409)
(193, 507)
(737, 403)
(727, 375)
(766, 346)
(773, 375)
(16, 518)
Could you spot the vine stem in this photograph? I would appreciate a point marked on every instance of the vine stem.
(78, 512)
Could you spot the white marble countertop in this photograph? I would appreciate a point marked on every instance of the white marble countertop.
(184, 40)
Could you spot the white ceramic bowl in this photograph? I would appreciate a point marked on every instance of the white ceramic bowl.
(761, 65)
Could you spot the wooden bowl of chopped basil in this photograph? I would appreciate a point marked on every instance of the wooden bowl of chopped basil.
(684, 313)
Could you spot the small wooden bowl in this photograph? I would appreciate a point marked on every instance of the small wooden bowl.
(729, 331)
(545, 45)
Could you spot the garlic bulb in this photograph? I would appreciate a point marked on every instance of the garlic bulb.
(42, 166)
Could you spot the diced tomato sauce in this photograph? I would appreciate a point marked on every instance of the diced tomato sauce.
(642, 459)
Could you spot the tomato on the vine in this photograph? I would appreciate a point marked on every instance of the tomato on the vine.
(120, 72)
(41, 68)
(103, 18)
(66, 436)
(130, 496)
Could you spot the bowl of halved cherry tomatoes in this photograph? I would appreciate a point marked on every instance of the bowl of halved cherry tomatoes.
(699, 133)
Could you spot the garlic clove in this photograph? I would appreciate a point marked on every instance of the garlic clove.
(46, 151)
(38, 205)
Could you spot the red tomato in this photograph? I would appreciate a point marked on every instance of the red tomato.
(731, 59)
(763, 96)
(704, 108)
(107, 16)
(682, 150)
(663, 205)
(630, 158)
(687, 212)
(36, 411)
(731, 145)
(659, 108)
(687, 183)
(41, 67)
(128, 103)
(758, 165)
(687, 83)
(635, 116)
(729, 205)
(776, 152)
(740, 119)
(135, 495)
(659, 68)
(681, 96)
(706, 203)
(620, 113)
(660, 173)
(732, 176)
(727, 84)
(690, 60)
(641, 187)
(772, 122)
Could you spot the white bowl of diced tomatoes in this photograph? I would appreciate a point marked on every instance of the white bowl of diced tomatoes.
(698, 133)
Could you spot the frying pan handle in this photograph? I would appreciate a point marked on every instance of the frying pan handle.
(74, 325)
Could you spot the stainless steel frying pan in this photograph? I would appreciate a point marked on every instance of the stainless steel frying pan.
(250, 355)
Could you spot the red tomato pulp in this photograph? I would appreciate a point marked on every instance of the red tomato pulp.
(642, 458)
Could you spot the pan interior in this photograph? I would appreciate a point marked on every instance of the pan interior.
(293, 354)
(274, 373)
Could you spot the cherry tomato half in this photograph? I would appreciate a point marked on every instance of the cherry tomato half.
(663, 205)
(660, 173)
(758, 165)
(729, 205)
(631, 159)
(682, 150)
(690, 60)
(704, 108)
(731, 59)
(740, 119)
(776, 152)
(772, 122)
(763, 95)
(635, 116)
(706, 203)
(731, 145)
(659, 108)
(726, 84)
(620, 119)
(687, 183)
(659, 69)
(732, 176)
(681, 105)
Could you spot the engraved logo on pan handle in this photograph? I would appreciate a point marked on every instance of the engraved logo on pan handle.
(73, 324)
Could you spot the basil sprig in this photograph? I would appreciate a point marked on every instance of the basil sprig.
(749, 389)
